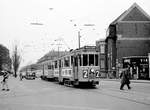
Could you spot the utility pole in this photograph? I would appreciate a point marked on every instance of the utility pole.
(79, 36)
(58, 44)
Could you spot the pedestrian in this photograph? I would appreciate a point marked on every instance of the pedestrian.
(125, 78)
(4, 82)
(21, 77)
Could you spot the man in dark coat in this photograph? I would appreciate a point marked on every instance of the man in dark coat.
(125, 78)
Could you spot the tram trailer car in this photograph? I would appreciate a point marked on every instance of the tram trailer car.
(47, 70)
(76, 68)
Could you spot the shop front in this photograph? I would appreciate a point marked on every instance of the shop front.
(139, 66)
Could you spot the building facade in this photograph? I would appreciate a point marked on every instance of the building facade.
(101, 47)
(128, 35)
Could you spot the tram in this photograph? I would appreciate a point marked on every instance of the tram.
(77, 67)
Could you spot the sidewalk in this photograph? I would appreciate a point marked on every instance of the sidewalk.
(132, 81)
(14, 84)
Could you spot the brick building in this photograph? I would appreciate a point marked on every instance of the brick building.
(128, 35)
(101, 46)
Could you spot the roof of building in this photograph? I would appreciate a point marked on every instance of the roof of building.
(134, 13)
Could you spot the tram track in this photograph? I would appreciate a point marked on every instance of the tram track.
(124, 95)
(130, 95)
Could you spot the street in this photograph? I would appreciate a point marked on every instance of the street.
(45, 95)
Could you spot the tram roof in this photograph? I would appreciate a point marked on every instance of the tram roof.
(135, 57)
(54, 55)
(32, 66)
(86, 49)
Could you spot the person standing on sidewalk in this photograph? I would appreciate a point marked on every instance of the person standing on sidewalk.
(21, 77)
(5, 80)
(125, 78)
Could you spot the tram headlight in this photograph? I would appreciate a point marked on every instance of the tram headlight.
(97, 74)
(92, 70)
(85, 74)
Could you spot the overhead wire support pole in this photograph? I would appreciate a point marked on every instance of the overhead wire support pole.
(58, 40)
(79, 36)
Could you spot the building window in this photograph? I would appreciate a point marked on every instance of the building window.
(102, 64)
(102, 48)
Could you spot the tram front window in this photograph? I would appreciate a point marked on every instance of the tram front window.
(91, 59)
(80, 60)
(85, 60)
(96, 60)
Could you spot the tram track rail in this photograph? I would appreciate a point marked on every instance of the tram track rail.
(130, 95)
(121, 95)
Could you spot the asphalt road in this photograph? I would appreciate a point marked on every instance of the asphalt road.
(44, 95)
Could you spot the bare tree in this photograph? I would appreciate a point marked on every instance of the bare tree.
(16, 60)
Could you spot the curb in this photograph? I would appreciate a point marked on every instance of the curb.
(132, 81)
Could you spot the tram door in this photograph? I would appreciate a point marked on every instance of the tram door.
(75, 67)
(60, 70)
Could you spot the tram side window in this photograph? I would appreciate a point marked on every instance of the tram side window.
(55, 64)
(67, 62)
(96, 60)
(49, 66)
(71, 60)
(59, 63)
(80, 60)
(85, 60)
(76, 61)
(52, 66)
(91, 59)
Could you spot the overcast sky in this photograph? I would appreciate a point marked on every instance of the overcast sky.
(58, 18)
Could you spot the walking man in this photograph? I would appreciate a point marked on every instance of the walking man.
(125, 78)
